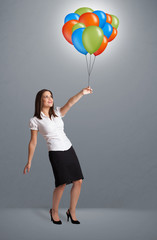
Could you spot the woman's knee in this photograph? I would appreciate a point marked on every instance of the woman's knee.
(78, 182)
(62, 186)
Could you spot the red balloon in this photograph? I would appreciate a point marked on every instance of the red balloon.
(67, 30)
(113, 35)
(89, 19)
(102, 46)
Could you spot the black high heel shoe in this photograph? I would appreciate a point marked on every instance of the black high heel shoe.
(56, 222)
(69, 215)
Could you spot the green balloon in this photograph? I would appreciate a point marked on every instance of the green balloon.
(82, 10)
(78, 25)
(92, 38)
(115, 21)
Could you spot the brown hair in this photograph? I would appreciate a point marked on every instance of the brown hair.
(38, 105)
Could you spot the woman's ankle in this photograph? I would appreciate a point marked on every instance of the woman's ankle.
(55, 210)
(72, 209)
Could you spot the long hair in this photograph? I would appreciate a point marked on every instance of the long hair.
(38, 105)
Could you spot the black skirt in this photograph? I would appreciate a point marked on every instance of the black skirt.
(65, 165)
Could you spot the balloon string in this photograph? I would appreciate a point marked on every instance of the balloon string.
(92, 64)
(89, 63)
(89, 66)
(88, 70)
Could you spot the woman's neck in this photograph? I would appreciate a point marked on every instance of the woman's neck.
(45, 111)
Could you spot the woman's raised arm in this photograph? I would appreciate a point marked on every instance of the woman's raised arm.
(74, 100)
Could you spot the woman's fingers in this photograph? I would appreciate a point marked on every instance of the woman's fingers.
(89, 88)
(26, 169)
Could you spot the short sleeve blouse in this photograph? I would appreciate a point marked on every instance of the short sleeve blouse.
(33, 124)
(52, 130)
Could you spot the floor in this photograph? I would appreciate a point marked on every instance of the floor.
(95, 223)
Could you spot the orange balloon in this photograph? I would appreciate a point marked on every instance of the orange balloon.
(102, 46)
(113, 35)
(67, 30)
(89, 19)
(108, 18)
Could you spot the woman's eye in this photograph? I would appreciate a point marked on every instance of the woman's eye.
(48, 97)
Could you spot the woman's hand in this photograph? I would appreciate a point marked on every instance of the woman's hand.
(87, 90)
(27, 168)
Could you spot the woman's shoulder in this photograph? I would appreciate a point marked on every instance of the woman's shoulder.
(57, 111)
(34, 118)
(33, 123)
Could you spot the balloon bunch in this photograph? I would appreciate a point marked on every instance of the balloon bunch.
(90, 31)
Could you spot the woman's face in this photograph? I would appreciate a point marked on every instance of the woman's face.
(46, 99)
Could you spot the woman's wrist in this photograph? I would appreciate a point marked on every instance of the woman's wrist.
(81, 92)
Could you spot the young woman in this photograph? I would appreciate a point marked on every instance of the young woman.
(65, 165)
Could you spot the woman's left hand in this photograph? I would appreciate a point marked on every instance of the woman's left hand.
(87, 90)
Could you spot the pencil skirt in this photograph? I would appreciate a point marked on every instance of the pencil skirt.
(65, 166)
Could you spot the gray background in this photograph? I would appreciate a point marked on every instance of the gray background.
(113, 130)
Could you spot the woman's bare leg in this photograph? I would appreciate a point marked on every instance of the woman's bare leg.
(74, 193)
(57, 194)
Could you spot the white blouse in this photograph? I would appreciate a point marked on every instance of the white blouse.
(52, 130)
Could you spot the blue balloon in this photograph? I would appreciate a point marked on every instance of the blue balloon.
(77, 40)
(71, 16)
(102, 17)
(107, 29)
